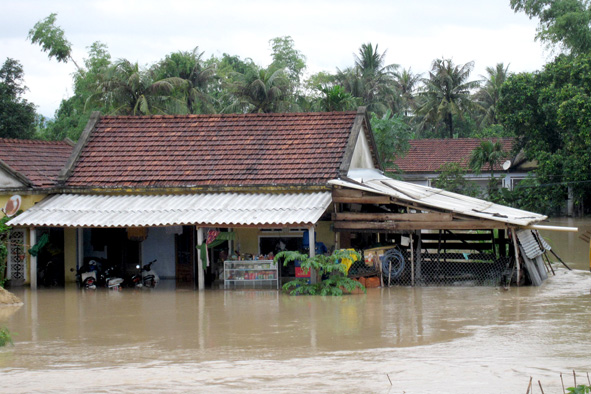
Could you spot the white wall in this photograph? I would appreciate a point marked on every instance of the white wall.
(362, 154)
(8, 181)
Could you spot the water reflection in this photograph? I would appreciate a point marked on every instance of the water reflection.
(177, 340)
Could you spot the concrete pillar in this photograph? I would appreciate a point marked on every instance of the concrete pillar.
(79, 248)
(33, 259)
(312, 253)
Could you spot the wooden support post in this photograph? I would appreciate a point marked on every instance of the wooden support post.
(418, 256)
(516, 249)
(79, 248)
(33, 259)
(412, 261)
(200, 273)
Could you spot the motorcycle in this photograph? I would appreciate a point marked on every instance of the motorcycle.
(146, 277)
(112, 281)
(86, 276)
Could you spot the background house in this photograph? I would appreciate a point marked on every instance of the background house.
(422, 164)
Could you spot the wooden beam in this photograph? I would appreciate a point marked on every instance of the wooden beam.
(347, 193)
(385, 226)
(402, 217)
(362, 200)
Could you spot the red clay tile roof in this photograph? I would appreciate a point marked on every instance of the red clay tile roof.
(39, 161)
(429, 155)
(213, 150)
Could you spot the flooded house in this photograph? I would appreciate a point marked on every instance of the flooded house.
(29, 172)
(212, 198)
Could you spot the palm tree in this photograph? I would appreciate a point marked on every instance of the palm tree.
(446, 93)
(335, 98)
(406, 85)
(259, 90)
(487, 153)
(127, 90)
(197, 75)
(370, 79)
(488, 96)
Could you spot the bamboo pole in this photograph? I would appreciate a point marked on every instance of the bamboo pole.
(549, 264)
(529, 385)
(562, 381)
(559, 259)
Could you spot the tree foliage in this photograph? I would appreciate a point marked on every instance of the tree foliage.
(452, 178)
(52, 40)
(446, 93)
(392, 135)
(17, 115)
(550, 113)
(564, 24)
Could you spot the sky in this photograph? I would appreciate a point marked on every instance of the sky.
(327, 32)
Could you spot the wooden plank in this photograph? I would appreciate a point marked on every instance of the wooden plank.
(385, 226)
(402, 217)
(347, 193)
(457, 237)
(458, 246)
(362, 200)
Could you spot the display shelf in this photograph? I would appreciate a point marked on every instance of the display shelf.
(251, 274)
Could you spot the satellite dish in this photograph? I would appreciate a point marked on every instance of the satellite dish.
(507, 165)
(12, 205)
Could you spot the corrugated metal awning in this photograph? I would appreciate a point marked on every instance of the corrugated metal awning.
(430, 197)
(533, 244)
(217, 209)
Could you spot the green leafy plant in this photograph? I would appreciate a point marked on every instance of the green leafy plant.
(580, 389)
(5, 337)
(335, 280)
(4, 230)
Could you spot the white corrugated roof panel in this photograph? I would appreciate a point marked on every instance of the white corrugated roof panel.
(374, 182)
(216, 209)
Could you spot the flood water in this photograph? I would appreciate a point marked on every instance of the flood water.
(423, 340)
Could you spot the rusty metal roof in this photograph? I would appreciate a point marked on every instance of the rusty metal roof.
(216, 209)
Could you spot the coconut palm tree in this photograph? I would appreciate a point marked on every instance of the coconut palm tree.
(260, 90)
(128, 90)
(370, 79)
(488, 95)
(446, 92)
(406, 85)
(198, 77)
(487, 153)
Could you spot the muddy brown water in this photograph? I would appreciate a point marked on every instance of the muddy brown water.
(423, 340)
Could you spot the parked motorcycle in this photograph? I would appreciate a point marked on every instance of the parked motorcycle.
(87, 275)
(146, 277)
(112, 281)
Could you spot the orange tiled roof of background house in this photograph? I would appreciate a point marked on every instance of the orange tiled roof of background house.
(428, 155)
(213, 150)
(39, 161)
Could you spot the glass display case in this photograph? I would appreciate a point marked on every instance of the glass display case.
(251, 274)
